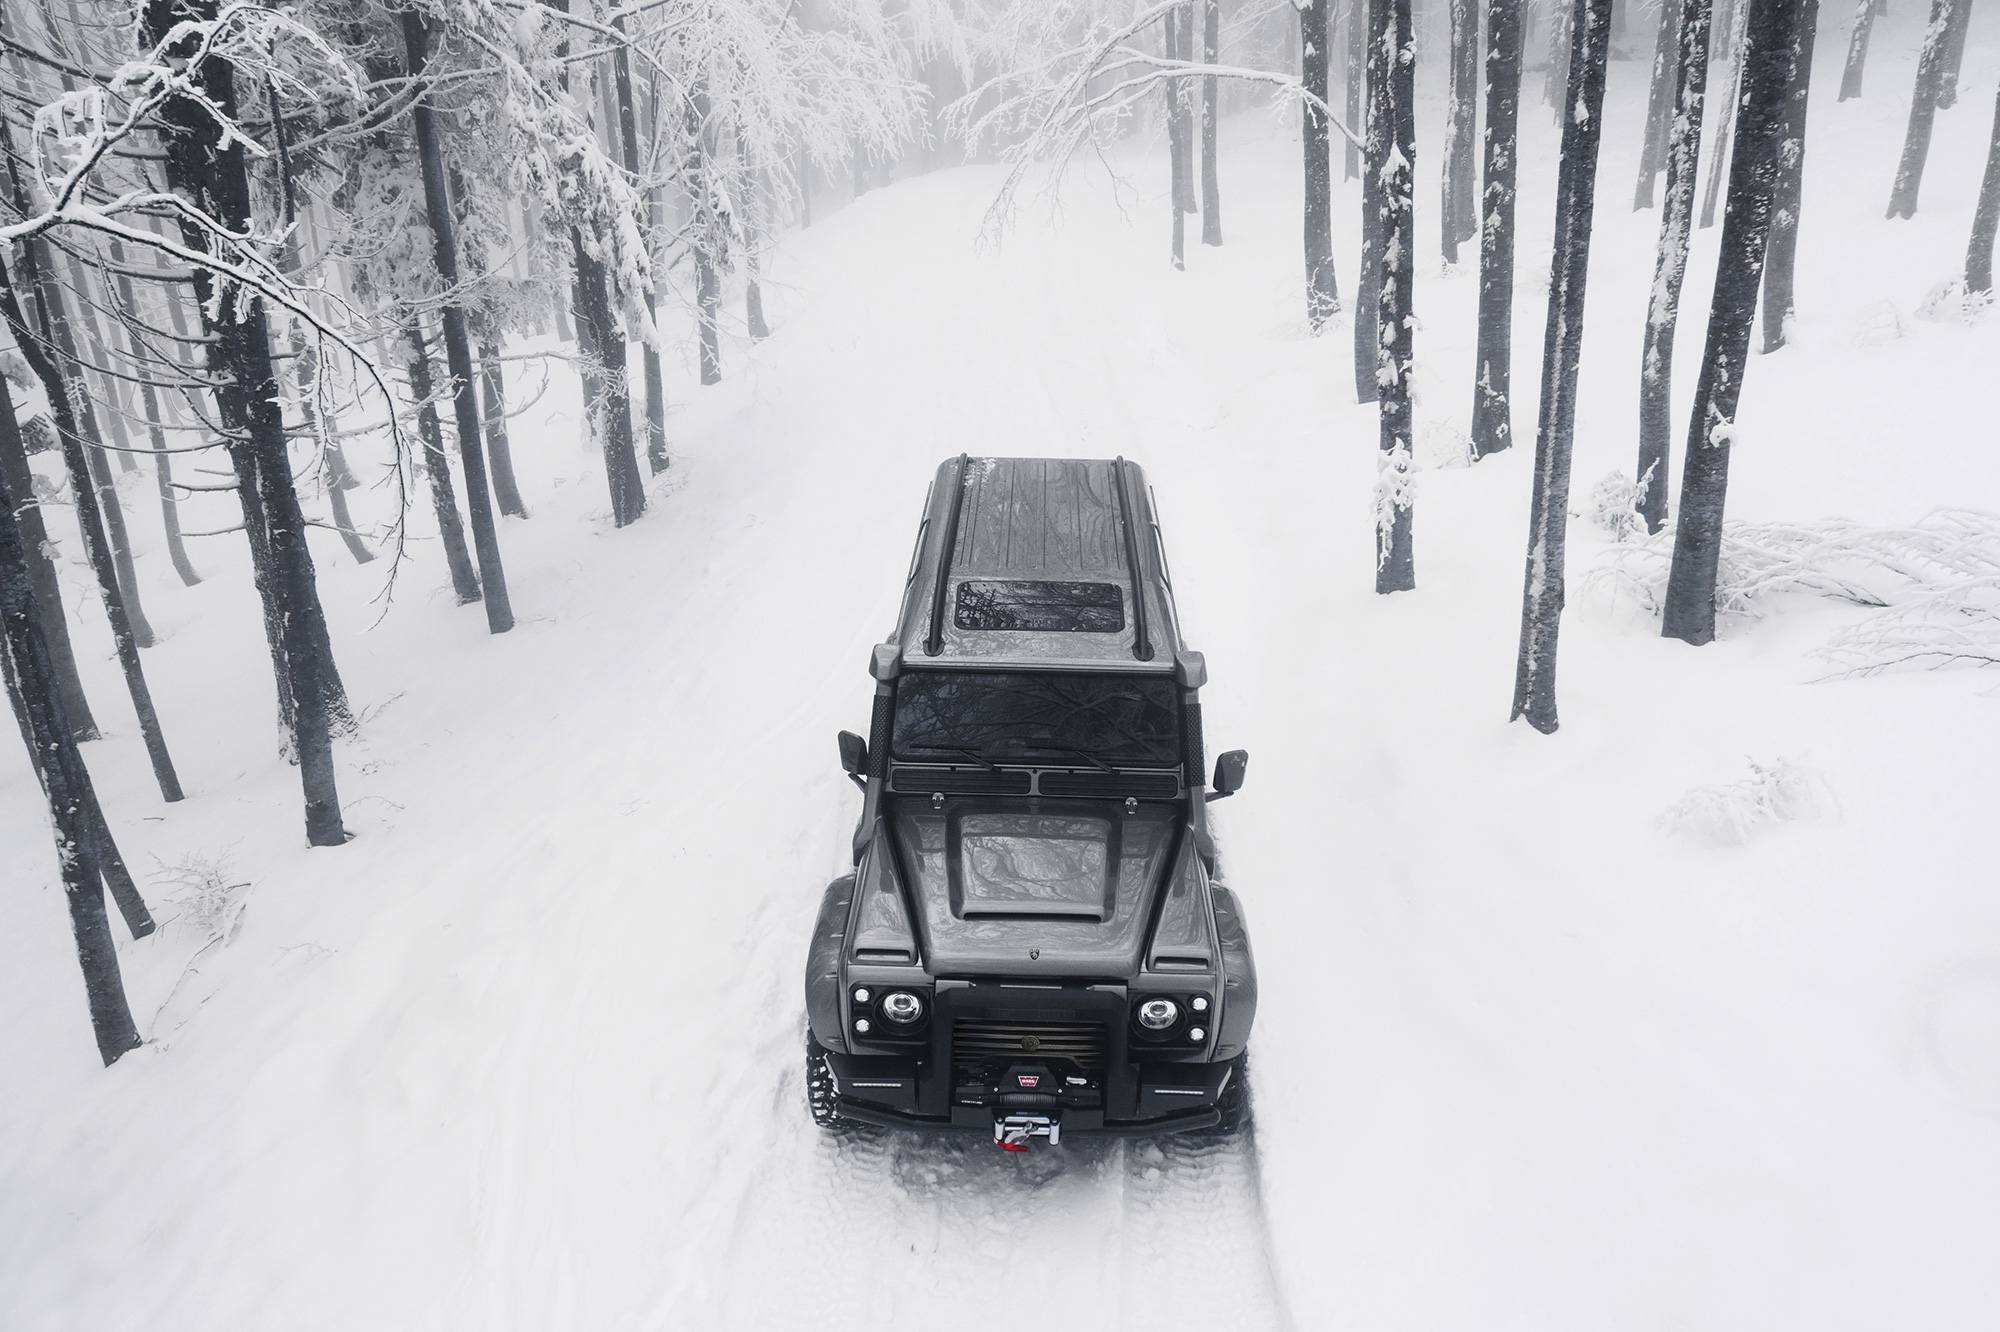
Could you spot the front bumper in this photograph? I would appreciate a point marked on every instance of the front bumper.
(965, 1072)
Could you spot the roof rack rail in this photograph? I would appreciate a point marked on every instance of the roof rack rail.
(1142, 642)
(934, 643)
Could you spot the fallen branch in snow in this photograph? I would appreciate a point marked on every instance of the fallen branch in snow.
(1937, 583)
(1730, 813)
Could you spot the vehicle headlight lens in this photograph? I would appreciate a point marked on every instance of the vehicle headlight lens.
(1158, 1014)
(902, 1008)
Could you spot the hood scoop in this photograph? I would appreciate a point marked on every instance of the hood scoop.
(1007, 865)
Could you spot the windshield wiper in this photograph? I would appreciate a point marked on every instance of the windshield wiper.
(1083, 754)
(974, 755)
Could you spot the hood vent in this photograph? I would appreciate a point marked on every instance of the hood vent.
(1149, 785)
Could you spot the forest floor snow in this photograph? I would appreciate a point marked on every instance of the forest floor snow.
(1531, 1054)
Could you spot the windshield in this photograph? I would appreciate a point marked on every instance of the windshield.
(951, 715)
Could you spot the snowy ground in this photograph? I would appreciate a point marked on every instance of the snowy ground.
(526, 1053)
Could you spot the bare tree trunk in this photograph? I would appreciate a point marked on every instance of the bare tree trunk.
(1542, 592)
(1857, 49)
(1392, 101)
(215, 175)
(66, 783)
(305, 365)
(499, 451)
(1723, 133)
(753, 239)
(42, 577)
(1357, 78)
(1561, 21)
(1656, 362)
(1492, 388)
(1923, 110)
(89, 520)
(163, 472)
(1378, 137)
(1457, 221)
(628, 140)
(601, 365)
(1985, 220)
(58, 329)
(1211, 187)
(1322, 289)
(1954, 54)
(707, 236)
(457, 342)
(1653, 152)
(444, 500)
(1181, 91)
(1780, 266)
(1746, 229)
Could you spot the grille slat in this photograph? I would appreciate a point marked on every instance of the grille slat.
(1150, 784)
(1085, 1044)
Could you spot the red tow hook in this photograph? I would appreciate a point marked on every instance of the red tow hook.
(1008, 1146)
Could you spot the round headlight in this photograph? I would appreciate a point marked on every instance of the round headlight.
(902, 1008)
(1158, 1014)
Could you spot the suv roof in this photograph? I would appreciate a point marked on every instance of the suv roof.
(1042, 542)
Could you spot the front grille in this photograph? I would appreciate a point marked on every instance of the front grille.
(976, 1040)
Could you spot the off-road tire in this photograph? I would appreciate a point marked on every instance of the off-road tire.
(1234, 1105)
(820, 1097)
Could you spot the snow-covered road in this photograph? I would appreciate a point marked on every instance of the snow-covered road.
(526, 1054)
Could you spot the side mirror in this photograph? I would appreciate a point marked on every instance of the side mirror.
(853, 756)
(1229, 770)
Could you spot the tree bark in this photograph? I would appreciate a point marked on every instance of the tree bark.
(1656, 362)
(1542, 591)
(753, 239)
(1561, 23)
(1392, 101)
(213, 172)
(1492, 388)
(1857, 49)
(1211, 186)
(457, 342)
(1723, 132)
(1377, 136)
(1923, 110)
(1985, 219)
(42, 577)
(628, 144)
(163, 472)
(67, 784)
(1457, 216)
(1659, 103)
(601, 366)
(444, 499)
(1746, 228)
(305, 366)
(1322, 287)
(1781, 264)
(1357, 79)
(1177, 164)
(499, 451)
(89, 521)
(1953, 54)
(707, 237)
(1180, 90)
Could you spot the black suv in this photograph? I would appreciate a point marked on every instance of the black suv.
(1033, 942)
